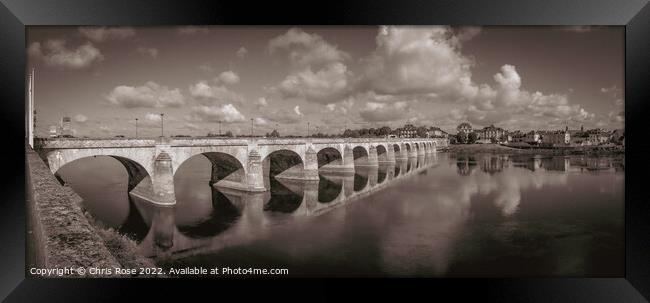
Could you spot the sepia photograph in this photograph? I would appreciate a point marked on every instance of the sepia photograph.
(325, 151)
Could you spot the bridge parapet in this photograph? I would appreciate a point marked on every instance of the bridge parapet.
(250, 152)
(207, 141)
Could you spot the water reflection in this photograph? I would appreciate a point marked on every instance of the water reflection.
(328, 189)
(224, 213)
(557, 215)
(283, 198)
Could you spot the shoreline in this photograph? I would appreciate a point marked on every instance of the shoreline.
(66, 235)
(502, 149)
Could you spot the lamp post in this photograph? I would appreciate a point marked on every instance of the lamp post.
(162, 125)
(251, 127)
(136, 128)
(219, 128)
(307, 129)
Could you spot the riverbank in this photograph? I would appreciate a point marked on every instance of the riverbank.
(64, 235)
(502, 149)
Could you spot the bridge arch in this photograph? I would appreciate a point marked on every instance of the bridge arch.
(382, 153)
(360, 154)
(136, 172)
(225, 169)
(99, 183)
(329, 155)
(143, 157)
(282, 163)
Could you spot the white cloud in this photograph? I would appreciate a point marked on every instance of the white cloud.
(324, 86)
(511, 106)
(383, 112)
(80, 118)
(241, 52)
(212, 94)
(297, 110)
(466, 33)
(226, 113)
(260, 121)
(150, 94)
(152, 117)
(306, 49)
(411, 60)
(283, 116)
(100, 34)
(55, 53)
(612, 91)
(317, 69)
(191, 30)
(229, 77)
(153, 52)
(261, 102)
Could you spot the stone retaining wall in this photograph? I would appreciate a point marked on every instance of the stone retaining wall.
(66, 238)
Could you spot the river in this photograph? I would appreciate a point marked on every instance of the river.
(479, 215)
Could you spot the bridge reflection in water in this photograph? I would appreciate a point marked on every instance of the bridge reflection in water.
(210, 218)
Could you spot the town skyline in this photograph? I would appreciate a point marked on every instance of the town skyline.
(332, 77)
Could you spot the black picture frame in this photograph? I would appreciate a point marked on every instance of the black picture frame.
(15, 15)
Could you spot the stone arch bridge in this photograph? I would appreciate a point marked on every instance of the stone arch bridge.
(237, 163)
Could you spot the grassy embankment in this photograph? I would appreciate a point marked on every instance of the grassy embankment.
(67, 236)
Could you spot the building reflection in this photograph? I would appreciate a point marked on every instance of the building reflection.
(465, 164)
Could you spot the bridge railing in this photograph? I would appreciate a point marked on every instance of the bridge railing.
(56, 143)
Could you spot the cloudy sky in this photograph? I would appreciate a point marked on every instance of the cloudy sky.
(332, 77)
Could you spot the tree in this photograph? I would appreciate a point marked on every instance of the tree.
(461, 138)
(421, 132)
(274, 134)
(228, 134)
(384, 131)
(472, 137)
(348, 133)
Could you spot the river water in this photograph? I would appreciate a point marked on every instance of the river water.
(479, 215)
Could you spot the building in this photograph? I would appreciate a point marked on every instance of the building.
(533, 137)
(491, 134)
(598, 137)
(408, 131)
(516, 136)
(66, 127)
(464, 128)
(580, 141)
(54, 131)
(556, 137)
(436, 132)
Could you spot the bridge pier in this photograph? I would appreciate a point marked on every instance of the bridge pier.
(311, 164)
(255, 174)
(402, 154)
(162, 227)
(163, 180)
(390, 154)
(348, 159)
(420, 150)
(413, 153)
(372, 156)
